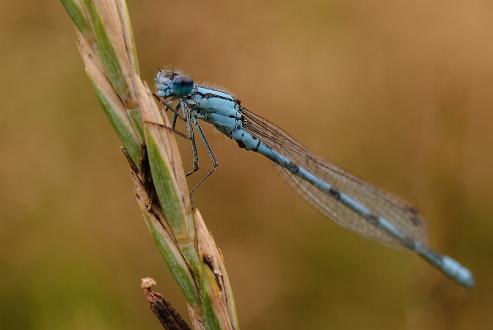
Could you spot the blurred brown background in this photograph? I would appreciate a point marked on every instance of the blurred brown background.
(399, 92)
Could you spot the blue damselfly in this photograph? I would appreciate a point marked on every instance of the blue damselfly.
(340, 196)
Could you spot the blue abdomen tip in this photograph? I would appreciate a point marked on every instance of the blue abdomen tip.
(458, 272)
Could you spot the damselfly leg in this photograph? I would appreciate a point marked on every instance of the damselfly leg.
(176, 114)
(210, 153)
(183, 112)
(167, 105)
(191, 135)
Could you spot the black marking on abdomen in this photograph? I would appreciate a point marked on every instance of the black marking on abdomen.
(374, 219)
(335, 193)
(258, 144)
(409, 243)
(292, 167)
(240, 144)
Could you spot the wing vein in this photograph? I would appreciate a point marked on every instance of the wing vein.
(379, 202)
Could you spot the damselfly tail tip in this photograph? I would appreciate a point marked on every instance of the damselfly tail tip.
(457, 272)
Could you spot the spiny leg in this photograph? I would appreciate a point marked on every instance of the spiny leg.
(210, 153)
(190, 123)
(187, 118)
(168, 106)
(174, 117)
(191, 136)
(180, 134)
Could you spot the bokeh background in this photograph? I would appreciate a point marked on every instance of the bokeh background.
(399, 92)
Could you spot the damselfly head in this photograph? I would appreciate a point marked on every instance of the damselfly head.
(170, 83)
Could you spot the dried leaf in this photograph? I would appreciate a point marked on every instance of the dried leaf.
(170, 319)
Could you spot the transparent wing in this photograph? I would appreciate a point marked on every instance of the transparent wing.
(380, 203)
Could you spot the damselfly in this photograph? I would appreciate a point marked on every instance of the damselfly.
(340, 196)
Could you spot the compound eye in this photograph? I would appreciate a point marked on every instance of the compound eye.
(182, 85)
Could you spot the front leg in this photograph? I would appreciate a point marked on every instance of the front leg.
(191, 136)
(167, 105)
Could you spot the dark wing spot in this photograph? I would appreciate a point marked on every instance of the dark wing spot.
(415, 216)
